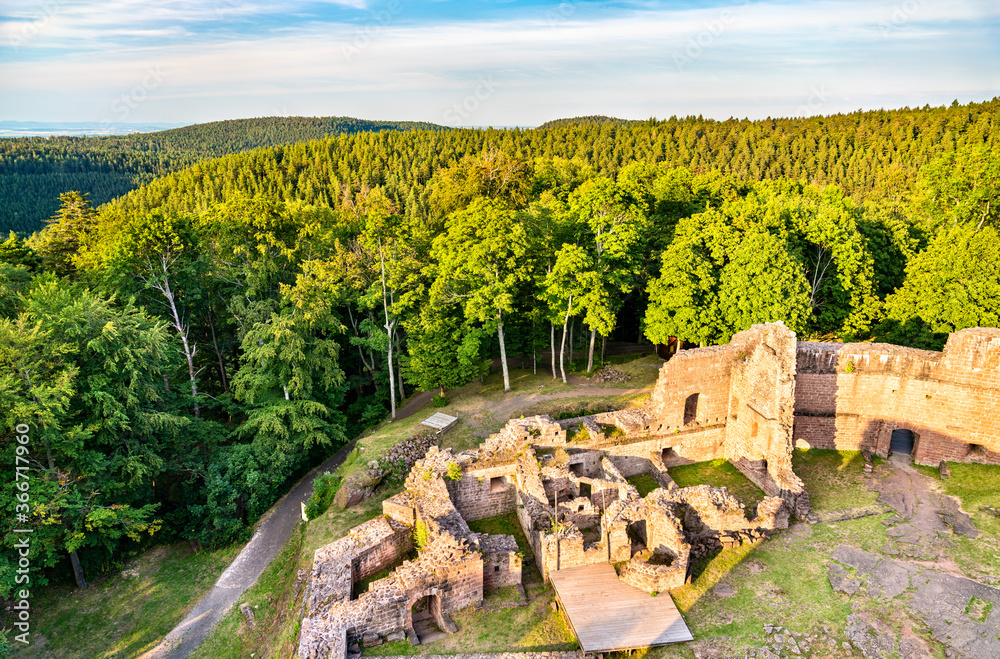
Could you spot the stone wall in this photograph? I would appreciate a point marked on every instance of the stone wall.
(484, 492)
(741, 399)
(695, 443)
(852, 396)
(501, 562)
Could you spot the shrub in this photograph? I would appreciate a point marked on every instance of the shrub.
(439, 400)
(454, 471)
(324, 490)
(420, 535)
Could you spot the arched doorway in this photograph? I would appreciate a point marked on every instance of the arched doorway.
(901, 441)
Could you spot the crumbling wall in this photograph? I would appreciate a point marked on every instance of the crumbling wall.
(484, 492)
(852, 396)
(501, 561)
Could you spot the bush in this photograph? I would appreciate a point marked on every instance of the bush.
(420, 535)
(454, 471)
(324, 490)
(439, 400)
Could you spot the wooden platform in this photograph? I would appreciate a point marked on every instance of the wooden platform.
(607, 614)
(439, 421)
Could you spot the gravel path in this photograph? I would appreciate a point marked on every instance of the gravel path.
(243, 572)
(265, 544)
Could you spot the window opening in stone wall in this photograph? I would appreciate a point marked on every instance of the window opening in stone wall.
(977, 451)
(691, 408)
(585, 490)
(668, 455)
(497, 485)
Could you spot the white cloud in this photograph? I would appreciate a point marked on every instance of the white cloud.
(754, 59)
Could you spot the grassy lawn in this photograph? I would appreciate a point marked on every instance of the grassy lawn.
(719, 473)
(644, 483)
(781, 581)
(643, 371)
(276, 622)
(834, 479)
(127, 614)
(508, 525)
(532, 628)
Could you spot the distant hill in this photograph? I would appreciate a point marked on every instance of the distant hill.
(592, 120)
(34, 171)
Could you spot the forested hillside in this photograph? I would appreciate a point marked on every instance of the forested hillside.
(34, 171)
(183, 353)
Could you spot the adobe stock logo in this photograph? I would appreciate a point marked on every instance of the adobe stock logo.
(468, 106)
(122, 106)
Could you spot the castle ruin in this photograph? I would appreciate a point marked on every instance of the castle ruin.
(750, 402)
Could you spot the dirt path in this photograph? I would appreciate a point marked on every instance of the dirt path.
(243, 572)
(505, 408)
(412, 406)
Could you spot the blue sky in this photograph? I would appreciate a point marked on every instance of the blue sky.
(488, 62)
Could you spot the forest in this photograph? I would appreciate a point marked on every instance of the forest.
(35, 171)
(183, 353)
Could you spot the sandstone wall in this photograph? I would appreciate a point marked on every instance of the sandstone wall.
(484, 492)
(740, 401)
(852, 396)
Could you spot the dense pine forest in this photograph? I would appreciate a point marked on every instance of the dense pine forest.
(35, 171)
(183, 353)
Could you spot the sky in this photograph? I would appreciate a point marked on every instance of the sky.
(488, 62)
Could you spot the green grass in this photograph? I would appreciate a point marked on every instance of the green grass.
(834, 479)
(644, 483)
(276, 621)
(127, 614)
(509, 525)
(779, 581)
(719, 473)
(532, 628)
(643, 371)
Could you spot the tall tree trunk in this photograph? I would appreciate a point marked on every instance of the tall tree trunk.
(604, 343)
(503, 354)
(215, 343)
(562, 347)
(552, 349)
(392, 378)
(81, 581)
(190, 348)
(389, 331)
(590, 354)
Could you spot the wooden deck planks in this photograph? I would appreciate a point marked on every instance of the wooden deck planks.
(607, 614)
(440, 421)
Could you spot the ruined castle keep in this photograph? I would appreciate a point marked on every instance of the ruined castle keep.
(750, 402)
